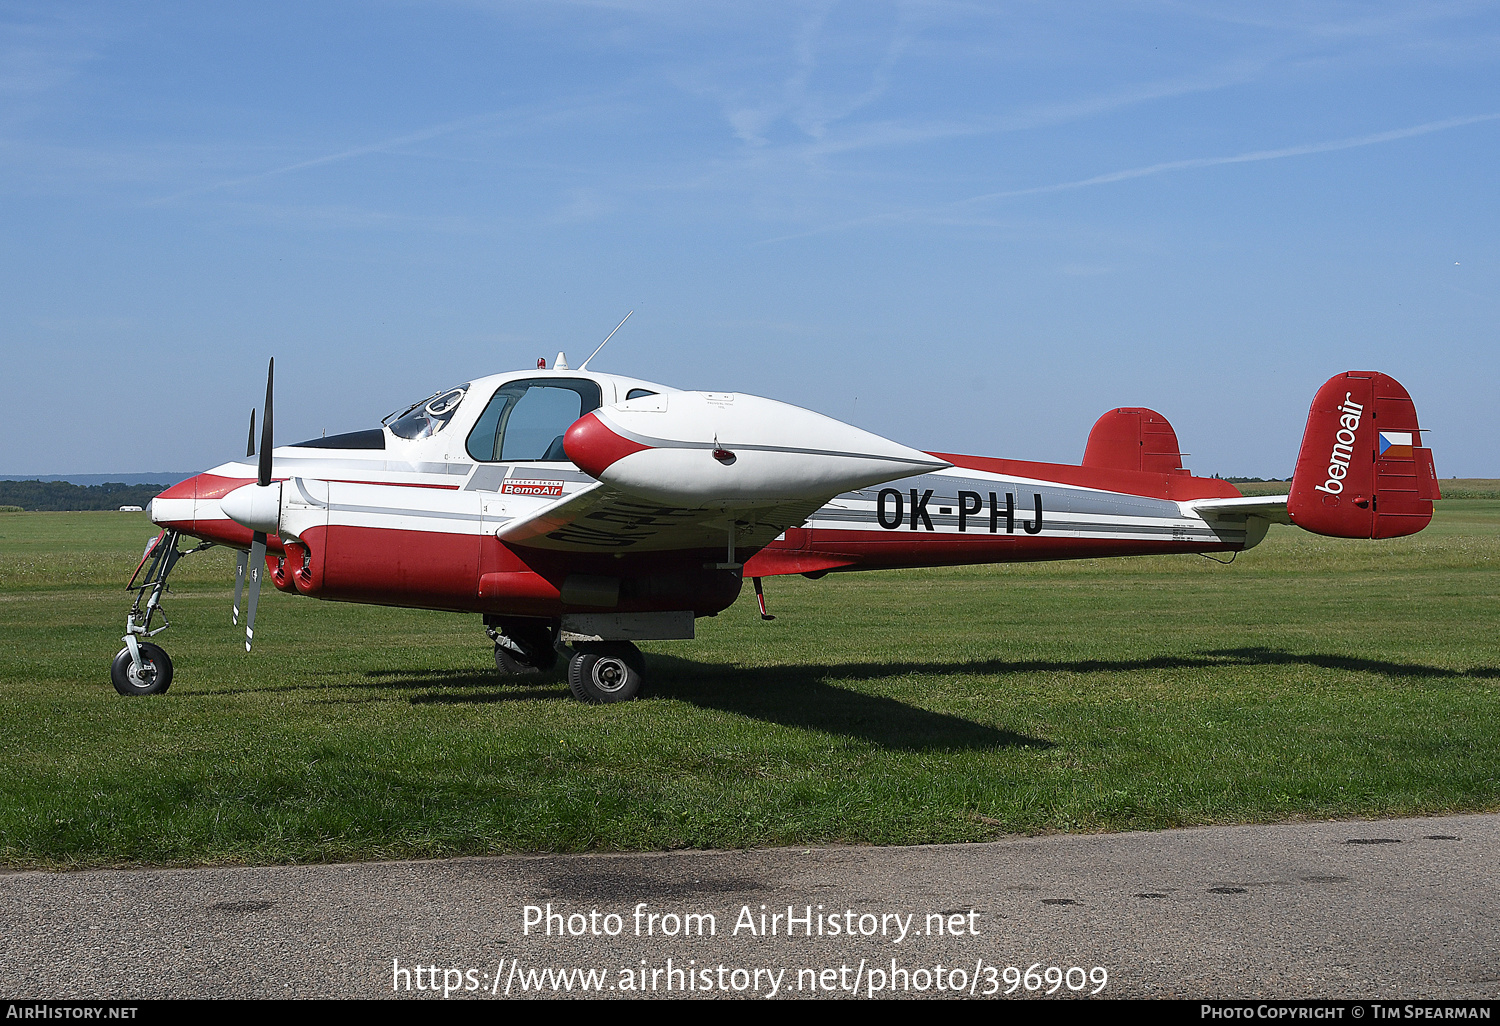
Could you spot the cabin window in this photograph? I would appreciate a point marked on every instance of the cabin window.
(636, 393)
(525, 420)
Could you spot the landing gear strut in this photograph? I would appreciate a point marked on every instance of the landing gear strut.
(522, 645)
(142, 668)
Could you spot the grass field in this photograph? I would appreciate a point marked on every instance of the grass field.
(1313, 678)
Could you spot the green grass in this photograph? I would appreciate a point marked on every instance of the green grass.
(1469, 488)
(1313, 678)
(1451, 487)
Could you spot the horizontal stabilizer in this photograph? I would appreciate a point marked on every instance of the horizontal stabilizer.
(1270, 508)
(1254, 514)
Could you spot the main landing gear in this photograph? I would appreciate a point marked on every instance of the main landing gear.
(598, 671)
(143, 668)
(523, 645)
(606, 671)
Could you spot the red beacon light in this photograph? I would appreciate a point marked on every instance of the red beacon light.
(541, 363)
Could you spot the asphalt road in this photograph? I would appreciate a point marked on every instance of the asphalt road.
(1397, 909)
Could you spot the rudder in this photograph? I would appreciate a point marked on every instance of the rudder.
(1362, 471)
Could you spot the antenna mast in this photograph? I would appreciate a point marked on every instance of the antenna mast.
(611, 335)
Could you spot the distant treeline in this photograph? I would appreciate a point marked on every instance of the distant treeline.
(59, 495)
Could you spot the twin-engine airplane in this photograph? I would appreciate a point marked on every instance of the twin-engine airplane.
(571, 506)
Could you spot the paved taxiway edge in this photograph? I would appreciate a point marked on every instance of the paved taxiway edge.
(1394, 909)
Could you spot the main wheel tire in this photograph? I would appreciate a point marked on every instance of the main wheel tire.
(507, 663)
(607, 671)
(525, 648)
(538, 642)
(155, 676)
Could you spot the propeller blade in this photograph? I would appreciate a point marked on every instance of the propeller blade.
(250, 444)
(265, 431)
(241, 560)
(257, 571)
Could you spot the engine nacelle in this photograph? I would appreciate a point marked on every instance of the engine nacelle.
(701, 448)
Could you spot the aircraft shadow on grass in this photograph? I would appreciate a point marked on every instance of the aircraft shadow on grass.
(1274, 657)
(792, 696)
(678, 674)
(809, 696)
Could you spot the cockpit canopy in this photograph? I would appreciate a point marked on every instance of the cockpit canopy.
(523, 420)
(431, 415)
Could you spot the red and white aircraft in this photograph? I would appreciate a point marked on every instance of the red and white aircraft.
(572, 506)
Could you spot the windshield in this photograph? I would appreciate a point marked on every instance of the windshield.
(429, 416)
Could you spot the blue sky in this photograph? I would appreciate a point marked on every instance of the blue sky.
(966, 226)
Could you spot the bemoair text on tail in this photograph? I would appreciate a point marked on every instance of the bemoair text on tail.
(1362, 471)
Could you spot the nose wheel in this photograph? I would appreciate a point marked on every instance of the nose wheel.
(606, 671)
(153, 677)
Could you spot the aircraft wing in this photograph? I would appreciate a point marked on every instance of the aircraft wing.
(600, 518)
(1270, 508)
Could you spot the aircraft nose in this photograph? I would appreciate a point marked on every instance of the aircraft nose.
(175, 507)
(195, 506)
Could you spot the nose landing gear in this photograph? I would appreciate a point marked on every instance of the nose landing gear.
(143, 668)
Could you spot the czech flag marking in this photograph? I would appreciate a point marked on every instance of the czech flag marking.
(1395, 445)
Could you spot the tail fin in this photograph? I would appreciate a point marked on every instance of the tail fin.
(1133, 438)
(1362, 471)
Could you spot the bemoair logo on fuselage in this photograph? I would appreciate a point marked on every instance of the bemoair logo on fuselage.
(517, 486)
(1343, 446)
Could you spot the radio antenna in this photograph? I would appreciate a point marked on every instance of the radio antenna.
(611, 335)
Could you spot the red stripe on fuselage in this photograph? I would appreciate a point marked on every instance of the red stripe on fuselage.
(426, 569)
(393, 484)
(820, 549)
